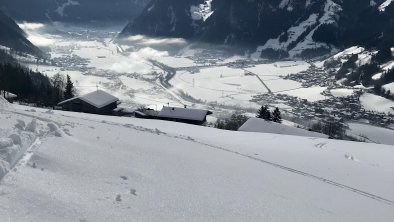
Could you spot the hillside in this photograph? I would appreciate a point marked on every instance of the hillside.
(281, 28)
(13, 37)
(81, 167)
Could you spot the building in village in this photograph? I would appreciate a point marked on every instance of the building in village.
(97, 102)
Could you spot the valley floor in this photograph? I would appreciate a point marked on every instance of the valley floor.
(98, 168)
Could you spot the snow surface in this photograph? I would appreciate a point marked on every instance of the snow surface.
(389, 86)
(120, 169)
(293, 33)
(7, 95)
(202, 11)
(349, 51)
(371, 133)
(312, 94)
(383, 6)
(376, 103)
(341, 92)
(282, 68)
(262, 126)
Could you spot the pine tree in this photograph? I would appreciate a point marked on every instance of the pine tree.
(69, 91)
(268, 116)
(261, 112)
(58, 84)
(264, 113)
(276, 116)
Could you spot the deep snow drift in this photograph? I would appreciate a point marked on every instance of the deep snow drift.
(100, 168)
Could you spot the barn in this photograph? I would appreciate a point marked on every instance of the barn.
(97, 102)
(10, 97)
(184, 115)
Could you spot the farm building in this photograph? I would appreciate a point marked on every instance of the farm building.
(10, 97)
(97, 102)
(184, 115)
(146, 114)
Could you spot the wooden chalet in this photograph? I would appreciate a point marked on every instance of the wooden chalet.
(97, 102)
(184, 115)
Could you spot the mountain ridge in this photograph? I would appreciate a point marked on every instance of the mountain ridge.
(13, 37)
(282, 29)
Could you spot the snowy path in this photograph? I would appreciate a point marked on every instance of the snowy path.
(124, 169)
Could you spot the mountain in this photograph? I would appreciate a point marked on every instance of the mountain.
(13, 37)
(73, 10)
(281, 28)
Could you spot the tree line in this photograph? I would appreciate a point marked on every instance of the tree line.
(237, 120)
(34, 87)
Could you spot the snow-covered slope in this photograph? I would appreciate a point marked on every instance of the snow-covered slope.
(123, 169)
(262, 126)
(384, 5)
(371, 133)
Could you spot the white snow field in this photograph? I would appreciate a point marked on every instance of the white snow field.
(99, 168)
(376, 103)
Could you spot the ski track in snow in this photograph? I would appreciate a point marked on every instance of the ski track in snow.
(276, 165)
(333, 183)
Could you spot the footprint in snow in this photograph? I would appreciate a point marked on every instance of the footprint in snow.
(351, 157)
(133, 192)
(124, 177)
(118, 198)
(320, 145)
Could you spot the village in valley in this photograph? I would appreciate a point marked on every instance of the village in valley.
(192, 83)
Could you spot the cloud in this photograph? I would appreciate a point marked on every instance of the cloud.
(143, 40)
(28, 26)
(134, 38)
(40, 40)
(33, 33)
(137, 61)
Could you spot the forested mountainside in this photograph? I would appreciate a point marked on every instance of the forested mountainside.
(282, 28)
(13, 37)
(73, 10)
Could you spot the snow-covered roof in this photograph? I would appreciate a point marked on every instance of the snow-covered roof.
(7, 95)
(184, 113)
(98, 98)
(262, 126)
